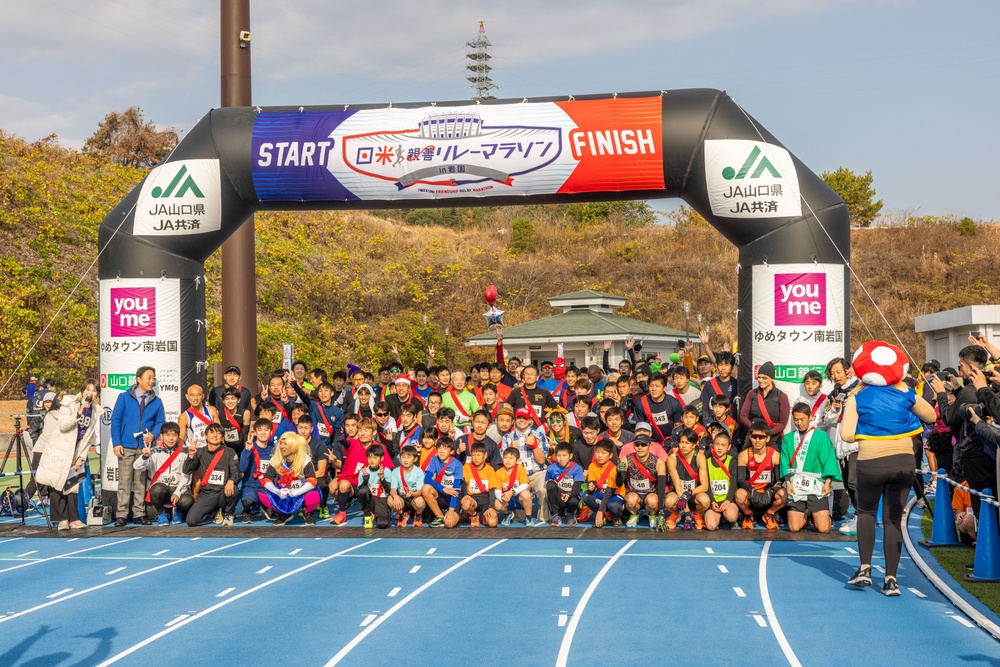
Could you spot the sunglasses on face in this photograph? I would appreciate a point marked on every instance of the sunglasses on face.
(381, 414)
(642, 444)
(758, 437)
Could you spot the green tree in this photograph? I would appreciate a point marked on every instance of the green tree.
(621, 213)
(523, 236)
(129, 140)
(857, 192)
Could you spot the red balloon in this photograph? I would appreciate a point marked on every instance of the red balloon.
(490, 294)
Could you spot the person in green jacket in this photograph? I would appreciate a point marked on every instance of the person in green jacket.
(809, 466)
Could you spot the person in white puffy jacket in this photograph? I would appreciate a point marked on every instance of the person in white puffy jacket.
(67, 434)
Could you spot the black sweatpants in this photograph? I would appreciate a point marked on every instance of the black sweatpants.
(207, 503)
(62, 506)
(377, 506)
(159, 495)
(556, 503)
(889, 478)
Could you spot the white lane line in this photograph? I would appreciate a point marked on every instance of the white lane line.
(916, 592)
(225, 593)
(72, 539)
(567, 569)
(368, 619)
(263, 570)
(62, 592)
(177, 620)
(414, 569)
(851, 550)
(565, 591)
(739, 592)
(964, 621)
(709, 550)
(562, 620)
(769, 610)
(394, 592)
(125, 578)
(569, 550)
(195, 539)
(72, 553)
(149, 640)
(399, 605)
(11, 539)
(160, 553)
(879, 568)
(723, 570)
(760, 620)
(292, 553)
(567, 640)
(27, 553)
(431, 550)
(115, 571)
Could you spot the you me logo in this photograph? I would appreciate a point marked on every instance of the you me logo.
(762, 165)
(186, 185)
(800, 299)
(133, 311)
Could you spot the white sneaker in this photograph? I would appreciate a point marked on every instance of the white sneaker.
(850, 527)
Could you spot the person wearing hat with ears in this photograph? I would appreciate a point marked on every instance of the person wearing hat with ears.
(766, 402)
(403, 395)
(533, 446)
(231, 380)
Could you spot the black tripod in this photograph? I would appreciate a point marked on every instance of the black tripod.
(17, 440)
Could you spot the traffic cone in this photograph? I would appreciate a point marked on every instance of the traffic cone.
(987, 563)
(943, 531)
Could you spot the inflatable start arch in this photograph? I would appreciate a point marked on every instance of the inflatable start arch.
(792, 231)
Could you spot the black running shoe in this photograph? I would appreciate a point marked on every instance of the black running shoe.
(246, 518)
(890, 588)
(269, 513)
(862, 578)
(310, 519)
(282, 519)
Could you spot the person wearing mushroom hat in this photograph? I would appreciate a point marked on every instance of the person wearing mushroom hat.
(882, 415)
(766, 402)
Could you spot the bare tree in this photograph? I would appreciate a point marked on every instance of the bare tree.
(127, 139)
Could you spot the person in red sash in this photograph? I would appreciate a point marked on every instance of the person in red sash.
(688, 498)
(443, 485)
(603, 495)
(405, 484)
(290, 481)
(168, 483)
(478, 487)
(197, 417)
(721, 465)
(719, 411)
(563, 484)
(235, 424)
(722, 384)
(403, 395)
(253, 464)
(644, 477)
(760, 491)
(216, 468)
(767, 403)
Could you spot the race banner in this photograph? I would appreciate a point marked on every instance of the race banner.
(140, 326)
(798, 320)
(464, 151)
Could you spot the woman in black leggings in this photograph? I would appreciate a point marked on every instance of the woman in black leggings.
(883, 420)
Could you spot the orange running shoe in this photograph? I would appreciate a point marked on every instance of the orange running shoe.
(339, 518)
(770, 522)
(404, 517)
(699, 522)
(672, 520)
(584, 515)
(474, 521)
(418, 520)
(748, 522)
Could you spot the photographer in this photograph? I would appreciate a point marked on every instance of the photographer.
(971, 462)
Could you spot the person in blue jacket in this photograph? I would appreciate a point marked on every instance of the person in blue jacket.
(135, 423)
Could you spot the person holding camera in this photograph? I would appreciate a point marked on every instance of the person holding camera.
(67, 434)
(971, 461)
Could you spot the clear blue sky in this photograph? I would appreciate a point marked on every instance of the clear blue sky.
(907, 88)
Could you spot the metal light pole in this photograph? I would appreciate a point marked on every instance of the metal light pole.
(687, 328)
(698, 318)
(426, 351)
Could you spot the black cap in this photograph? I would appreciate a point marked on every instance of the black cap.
(233, 369)
(546, 363)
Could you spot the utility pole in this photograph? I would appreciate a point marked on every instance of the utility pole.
(239, 273)
(479, 64)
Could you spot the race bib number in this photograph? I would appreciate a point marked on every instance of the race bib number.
(168, 480)
(641, 485)
(276, 419)
(448, 481)
(566, 485)
(688, 484)
(806, 484)
(295, 484)
(538, 410)
(764, 477)
(324, 432)
(232, 435)
(660, 418)
(474, 487)
(720, 487)
(217, 478)
(263, 466)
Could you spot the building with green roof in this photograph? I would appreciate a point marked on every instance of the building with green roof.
(586, 321)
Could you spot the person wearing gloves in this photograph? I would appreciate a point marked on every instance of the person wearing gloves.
(67, 433)
(168, 483)
(290, 481)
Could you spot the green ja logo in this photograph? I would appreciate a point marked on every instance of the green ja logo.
(729, 173)
(185, 187)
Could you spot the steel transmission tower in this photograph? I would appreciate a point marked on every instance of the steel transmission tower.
(479, 57)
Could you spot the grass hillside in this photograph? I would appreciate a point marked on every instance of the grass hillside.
(347, 286)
